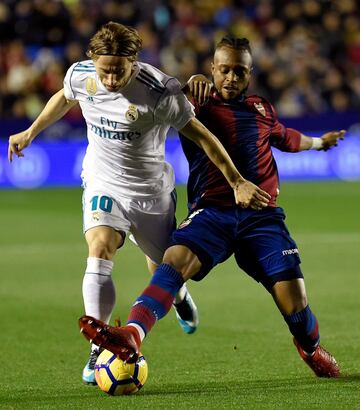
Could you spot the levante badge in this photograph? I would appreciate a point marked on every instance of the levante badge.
(260, 108)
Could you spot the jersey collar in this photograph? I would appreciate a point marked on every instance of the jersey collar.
(237, 100)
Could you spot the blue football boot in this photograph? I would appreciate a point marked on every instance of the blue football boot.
(88, 374)
(187, 314)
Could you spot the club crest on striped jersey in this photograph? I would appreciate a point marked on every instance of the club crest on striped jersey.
(189, 219)
(91, 86)
(260, 108)
(132, 113)
(184, 223)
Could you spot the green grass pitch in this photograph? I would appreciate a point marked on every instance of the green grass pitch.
(242, 355)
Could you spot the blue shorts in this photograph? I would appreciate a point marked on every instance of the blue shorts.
(259, 240)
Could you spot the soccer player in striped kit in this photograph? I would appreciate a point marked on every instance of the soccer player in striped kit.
(128, 107)
(217, 228)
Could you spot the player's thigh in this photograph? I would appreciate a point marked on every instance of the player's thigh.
(209, 234)
(102, 208)
(152, 223)
(267, 252)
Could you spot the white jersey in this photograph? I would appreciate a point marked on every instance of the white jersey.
(127, 129)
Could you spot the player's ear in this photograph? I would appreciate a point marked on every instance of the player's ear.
(212, 68)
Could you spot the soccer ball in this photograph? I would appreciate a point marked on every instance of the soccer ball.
(115, 377)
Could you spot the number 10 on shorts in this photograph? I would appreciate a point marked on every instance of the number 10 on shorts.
(104, 203)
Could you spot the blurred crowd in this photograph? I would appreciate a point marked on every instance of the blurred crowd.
(306, 53)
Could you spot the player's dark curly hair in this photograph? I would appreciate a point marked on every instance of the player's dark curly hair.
(236, 43)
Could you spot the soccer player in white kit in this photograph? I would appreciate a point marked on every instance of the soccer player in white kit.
(128, 107)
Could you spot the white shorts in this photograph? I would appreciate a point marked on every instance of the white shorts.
(151, 222)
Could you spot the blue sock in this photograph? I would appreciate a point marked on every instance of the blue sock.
(156, 300)
(304, 327)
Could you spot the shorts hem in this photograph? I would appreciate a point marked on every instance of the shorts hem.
(284, 275)
(204, 258)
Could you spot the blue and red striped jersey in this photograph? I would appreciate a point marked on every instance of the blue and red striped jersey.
(247, 127)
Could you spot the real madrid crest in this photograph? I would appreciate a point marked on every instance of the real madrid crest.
(132, 113)
(90, 85)
(260, 108)
(95, 216)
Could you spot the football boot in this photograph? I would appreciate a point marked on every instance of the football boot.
(321, 362)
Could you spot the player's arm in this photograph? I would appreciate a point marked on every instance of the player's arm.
(55, 109)
(246, 193)
(291, 140)
(324, 143)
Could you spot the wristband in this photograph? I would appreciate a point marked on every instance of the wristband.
(317, 143)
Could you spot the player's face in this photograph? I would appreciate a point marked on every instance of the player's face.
(231, 71)
(114, 71)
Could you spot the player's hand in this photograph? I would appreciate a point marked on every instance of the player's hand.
(199, 88)
(330, 139)
(248, 195)
(17, 143)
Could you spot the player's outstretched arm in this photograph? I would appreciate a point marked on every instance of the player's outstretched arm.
(324, 143)
(246, 193)
(55, 108)
(331, 139)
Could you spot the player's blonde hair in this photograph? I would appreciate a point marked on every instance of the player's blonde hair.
(115, 39)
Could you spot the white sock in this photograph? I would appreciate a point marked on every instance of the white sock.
(98, 289)
(94, 347)
(179, 297)
(139, 330)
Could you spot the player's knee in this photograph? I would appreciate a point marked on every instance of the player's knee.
(102, 249)
(99, 250)
(183, 260)
(290, 296)
(103, 242)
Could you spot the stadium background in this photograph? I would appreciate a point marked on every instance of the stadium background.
(306, 59)
(307, 62)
